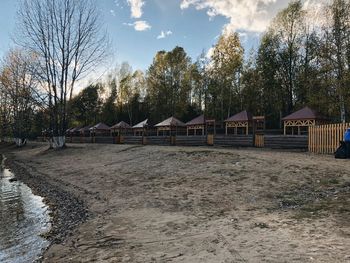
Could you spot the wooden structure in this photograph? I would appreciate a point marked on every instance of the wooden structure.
(259, 124)
(140, 128)
(241, 121)
(120, 128)
(67, 132)
(259, 141)
(74, 131)
(200, 124)
(100, 129)
(325, 139)
(170, 125)
(85, 131)
(302, 120)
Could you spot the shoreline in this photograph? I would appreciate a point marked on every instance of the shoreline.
(67, 211)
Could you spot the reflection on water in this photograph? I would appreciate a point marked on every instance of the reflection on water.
(23, 217)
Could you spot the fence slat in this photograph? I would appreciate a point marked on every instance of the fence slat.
(325, 139)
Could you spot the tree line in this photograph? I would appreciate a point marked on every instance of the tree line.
(303, 59)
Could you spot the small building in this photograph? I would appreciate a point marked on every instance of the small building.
(140, 128)
(120, 128)
(100, 129)
(301, 120)
(170, 125)
(74, 132)
(199, 125)
(239, 123)
(85, 131)
(67, 131)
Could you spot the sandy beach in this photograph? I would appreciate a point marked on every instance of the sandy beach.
(122, 203)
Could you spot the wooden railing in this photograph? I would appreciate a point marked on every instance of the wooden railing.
(325, 138)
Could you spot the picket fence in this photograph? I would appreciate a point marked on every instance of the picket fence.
(324, 139)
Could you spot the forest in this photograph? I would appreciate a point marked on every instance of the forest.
(302, 59)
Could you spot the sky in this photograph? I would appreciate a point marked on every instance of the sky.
(139, 28)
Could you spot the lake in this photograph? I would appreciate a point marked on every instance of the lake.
(23, 218)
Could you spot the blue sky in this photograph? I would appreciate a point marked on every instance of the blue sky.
(135, 26)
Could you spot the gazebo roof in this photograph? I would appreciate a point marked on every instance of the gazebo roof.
(142, 124)
(121, 125)
(304, 114)
(74, 129)
(85, 129)
(242, 116)
(100, 126)
(172, 121)
(200, 120)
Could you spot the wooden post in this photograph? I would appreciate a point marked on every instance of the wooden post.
(226, 128)
(187, 130)
(298, 130)
(210, 139)
(284, 126)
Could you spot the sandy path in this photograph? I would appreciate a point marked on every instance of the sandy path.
(176, 204)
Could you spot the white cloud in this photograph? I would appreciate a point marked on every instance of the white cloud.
(139, 25)
(136, 7)
(249, 15)
(112, 12)
(244, 15)
(164, 34)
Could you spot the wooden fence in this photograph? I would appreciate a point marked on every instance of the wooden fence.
(259, 141)
(233, 140)
(286, 142)
(325, 138)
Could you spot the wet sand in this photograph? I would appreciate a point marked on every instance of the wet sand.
(177, 204)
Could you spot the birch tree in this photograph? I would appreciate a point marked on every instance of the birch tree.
(66, 37)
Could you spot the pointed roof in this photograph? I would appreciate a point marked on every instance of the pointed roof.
(172, 121)
(121, 125)
(200, 120)
(85, 129)
(100, 126)
(305, 113)
(74, 129)
(142, 124)
(242, 116)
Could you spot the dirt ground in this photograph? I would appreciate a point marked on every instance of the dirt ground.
(177, 204)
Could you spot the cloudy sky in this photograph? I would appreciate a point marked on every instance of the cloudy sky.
(139, 28)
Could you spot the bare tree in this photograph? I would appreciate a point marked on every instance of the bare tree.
(66, 37)
(5, 114)
(18, 86)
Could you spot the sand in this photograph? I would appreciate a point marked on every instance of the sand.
(194, 204)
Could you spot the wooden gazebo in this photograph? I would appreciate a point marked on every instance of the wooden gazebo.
(200, 124)
(120, 128)
(74, 131)
(100, 129)
(241, 121)
(139, 128)
(85, 131)
(169, 125)
(302, 119)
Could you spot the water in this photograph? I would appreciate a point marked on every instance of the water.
(23, 217)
